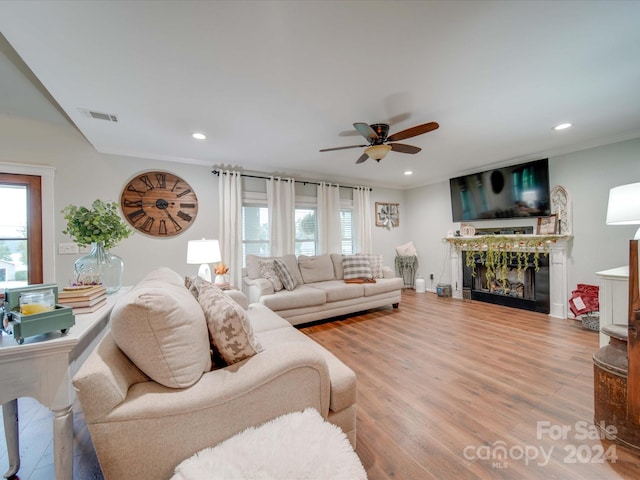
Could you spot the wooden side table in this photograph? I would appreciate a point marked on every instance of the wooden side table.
(42, 368)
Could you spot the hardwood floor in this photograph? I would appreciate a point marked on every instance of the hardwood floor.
(442, 384)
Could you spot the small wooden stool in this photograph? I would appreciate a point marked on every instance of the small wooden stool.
(610, 371)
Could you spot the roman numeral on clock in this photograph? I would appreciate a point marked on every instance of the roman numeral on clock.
(182, 194)
(185, 216)
(162, 228)
(187, 205)
(134, 216)
(147, 224)
(144, 179)
(161, 178)
(132, 203)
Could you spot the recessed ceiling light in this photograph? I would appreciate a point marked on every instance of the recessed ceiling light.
(408, 172)
(199, 136)
(562, 126)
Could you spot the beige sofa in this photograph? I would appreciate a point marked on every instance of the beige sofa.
(321, 291)
(141, 428)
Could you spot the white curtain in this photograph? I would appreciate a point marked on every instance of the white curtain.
(362, 220)
(329, 237)
(230, 226)
(281, 200)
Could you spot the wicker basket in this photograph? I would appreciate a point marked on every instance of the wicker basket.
(591, 321)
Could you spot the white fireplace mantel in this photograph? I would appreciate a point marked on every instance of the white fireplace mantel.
(557, 250)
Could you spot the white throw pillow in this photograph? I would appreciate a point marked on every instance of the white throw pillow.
(161, 328)
(408, 249)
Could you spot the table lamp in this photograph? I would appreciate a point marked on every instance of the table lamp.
(624, 206)
(203, 252)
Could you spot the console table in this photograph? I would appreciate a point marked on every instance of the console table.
(42, 368)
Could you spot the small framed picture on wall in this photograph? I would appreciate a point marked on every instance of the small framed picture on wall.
(548, 225)
(387, 214)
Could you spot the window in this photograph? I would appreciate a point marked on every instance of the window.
(255, 231)
(306, 231)
(20, 230)
(346, 231)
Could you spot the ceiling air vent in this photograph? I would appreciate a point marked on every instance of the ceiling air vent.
(109, 117)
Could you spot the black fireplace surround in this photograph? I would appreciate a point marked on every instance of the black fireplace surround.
(529, 291)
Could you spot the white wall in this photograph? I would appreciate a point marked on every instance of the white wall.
(82, 175)
(587, 175)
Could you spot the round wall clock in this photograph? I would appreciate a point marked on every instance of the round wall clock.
(159, 204)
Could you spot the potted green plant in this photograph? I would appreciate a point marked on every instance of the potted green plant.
(102, 227)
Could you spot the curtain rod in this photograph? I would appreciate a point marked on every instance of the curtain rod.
(218, 173)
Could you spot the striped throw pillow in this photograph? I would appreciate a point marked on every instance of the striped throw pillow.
(285, 275)
(356, 266)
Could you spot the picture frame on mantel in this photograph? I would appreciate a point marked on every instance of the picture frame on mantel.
(547, 225)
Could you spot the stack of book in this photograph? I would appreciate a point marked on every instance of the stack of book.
(83, 299)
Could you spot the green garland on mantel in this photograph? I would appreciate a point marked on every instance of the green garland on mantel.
(498, 252)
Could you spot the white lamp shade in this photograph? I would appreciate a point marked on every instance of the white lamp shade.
(624, 205)
(203, 251)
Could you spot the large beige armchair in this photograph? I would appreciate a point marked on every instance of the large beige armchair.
(142, 428)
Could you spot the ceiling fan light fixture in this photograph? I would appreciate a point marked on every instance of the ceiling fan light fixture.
(378, 152)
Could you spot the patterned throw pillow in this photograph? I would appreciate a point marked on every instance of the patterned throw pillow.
(375, 261)
(268, 271)
(285, 275)
(229, 328)
(356, 266)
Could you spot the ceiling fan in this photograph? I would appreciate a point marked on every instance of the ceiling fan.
(377, 134)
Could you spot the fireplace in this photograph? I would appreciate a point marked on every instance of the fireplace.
(523, 288)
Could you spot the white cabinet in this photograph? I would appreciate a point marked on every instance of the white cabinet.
(613, 298)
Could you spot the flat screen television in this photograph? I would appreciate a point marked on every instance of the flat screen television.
(509, 192)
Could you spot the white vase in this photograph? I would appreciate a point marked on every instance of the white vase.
(220, 279)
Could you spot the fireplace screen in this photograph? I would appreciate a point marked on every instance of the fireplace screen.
(527, 289)
(512, 284)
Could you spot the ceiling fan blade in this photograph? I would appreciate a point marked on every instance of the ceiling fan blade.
(363, 158)
(366, 131)
(342, 148)
(413, 131)
(403, 148)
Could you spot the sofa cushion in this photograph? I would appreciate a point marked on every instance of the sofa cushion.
(304, 296)
(229, 328)
(290, 261)
(383, 285)
(268, 271)
(160, 326)
(285, 275)
(356, 266)
(263, 319)
(337, 290)
(316, 269)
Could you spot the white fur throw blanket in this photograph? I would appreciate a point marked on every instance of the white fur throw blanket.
(295, 446)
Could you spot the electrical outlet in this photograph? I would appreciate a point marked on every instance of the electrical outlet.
(67, 248)
(431, 276)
